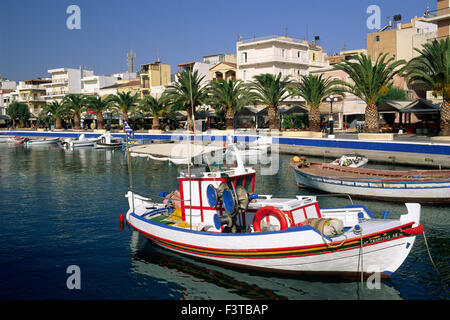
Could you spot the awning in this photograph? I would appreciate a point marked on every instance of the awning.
(178, 153)
(422, 106)
(392, 106)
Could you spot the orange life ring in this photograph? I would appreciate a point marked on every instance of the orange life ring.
(266, 211)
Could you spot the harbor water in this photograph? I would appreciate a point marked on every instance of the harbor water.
(60, 208)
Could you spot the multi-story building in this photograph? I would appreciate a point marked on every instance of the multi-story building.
(400, 40)
(154, 75)
(32, 93)
(92, 84)
(277, 54)
(6, 87)
(65, 81)
(441, 17)
(201, 67)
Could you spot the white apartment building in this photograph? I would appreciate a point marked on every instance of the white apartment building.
(201, 67)
(92, 84)
(6, 86)
(277, 54)
(65, 81)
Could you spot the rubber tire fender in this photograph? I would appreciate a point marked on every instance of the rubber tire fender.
(269, 210)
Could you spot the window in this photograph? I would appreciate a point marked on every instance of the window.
(377, 38)
(244, 56)
(244, 75)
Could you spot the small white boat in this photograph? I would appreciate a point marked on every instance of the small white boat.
(82, 141)
(351, 161)
(16, 140)
(42, 141)
(107, 142)
(216, 216)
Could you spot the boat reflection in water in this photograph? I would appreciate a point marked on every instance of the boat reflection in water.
(194, 279)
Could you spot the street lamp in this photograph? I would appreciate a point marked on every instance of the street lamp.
(331, 99)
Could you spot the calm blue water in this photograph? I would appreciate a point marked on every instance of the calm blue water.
(61, 207)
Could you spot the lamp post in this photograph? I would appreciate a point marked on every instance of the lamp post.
(331, 99)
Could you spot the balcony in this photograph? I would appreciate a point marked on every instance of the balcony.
(31, 99)
(280, 59)
(30, 87)
(437, 15)
(57, 82)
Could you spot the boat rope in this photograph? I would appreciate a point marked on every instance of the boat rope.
(362, 265)
(429, 253)
(330, 245)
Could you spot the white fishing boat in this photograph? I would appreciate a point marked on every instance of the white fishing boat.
(218, 217)
(106, 141)
(40, 141)
(351, 161)
(81, 141)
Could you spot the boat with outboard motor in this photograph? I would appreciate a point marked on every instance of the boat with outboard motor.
(423, 186)
(81, 141)
(106, 141)
(216, 215)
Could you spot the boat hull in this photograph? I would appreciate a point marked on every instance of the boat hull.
(107, 145)
(42, 142)
(416, 191)
(298, 250)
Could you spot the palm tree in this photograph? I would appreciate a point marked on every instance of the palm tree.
(98, 105)
(432, 68)
(56, 111)
(76, 104)
(370, 81)
(315, 89)
(157, 107)
(230, 96)
(189, 92)
(125, 102)
(271, 91)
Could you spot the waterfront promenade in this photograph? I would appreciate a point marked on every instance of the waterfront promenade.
(402, 149)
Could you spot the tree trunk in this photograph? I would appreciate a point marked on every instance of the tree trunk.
(314, 119)
(99, 121)
(274, 117)
(445, 118)
(229, 119)
(371, 119)
(190, 124)
(155, 124)
(77, 122)
(125, 116)
(58, 123)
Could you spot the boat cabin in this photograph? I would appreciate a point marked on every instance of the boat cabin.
(201, 212)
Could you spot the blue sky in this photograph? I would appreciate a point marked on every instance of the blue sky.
(34, 36)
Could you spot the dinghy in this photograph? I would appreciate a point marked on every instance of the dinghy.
(82, 141)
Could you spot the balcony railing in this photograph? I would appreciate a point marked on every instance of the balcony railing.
(278, 58)
(274, 37)
(437, 13)
(31, 99)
